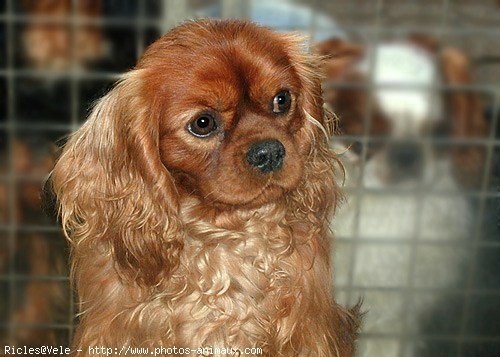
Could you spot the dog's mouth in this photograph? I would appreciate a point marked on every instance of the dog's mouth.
(270, 192)
(245, 196)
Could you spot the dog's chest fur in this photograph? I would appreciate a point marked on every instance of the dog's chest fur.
(256, 286)
(240, 285)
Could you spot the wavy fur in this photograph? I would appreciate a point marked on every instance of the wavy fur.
(158, 264)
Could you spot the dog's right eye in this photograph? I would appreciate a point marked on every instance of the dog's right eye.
(203, 126)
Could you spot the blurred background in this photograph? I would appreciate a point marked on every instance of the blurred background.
(416, 89)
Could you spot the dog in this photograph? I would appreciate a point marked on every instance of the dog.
(41, 297)
(49, 42)
(421, 110)
(196, 200)
(409, 209)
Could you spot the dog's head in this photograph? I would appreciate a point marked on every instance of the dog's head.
(402, 95)
(233, 103)
(225, 113)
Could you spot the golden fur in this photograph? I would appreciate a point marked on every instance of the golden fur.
(175, 241)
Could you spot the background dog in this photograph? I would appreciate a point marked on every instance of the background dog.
(404, 184)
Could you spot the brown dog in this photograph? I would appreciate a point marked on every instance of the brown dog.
(196, 199)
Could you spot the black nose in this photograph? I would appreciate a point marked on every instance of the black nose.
(405, 156)
(266, 155)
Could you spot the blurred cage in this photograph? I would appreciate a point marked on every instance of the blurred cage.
(57, 57)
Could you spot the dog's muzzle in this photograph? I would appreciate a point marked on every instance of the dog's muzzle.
(406, 158)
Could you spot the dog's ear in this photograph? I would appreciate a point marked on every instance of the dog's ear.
(338, 59)
(466, 115)
(114, 195)
(318, 191)
(424, 41)
(337, 56)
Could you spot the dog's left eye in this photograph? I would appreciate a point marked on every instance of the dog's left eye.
(282, 102)
(203, 126)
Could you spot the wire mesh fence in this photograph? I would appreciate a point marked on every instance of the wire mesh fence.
(421, 247)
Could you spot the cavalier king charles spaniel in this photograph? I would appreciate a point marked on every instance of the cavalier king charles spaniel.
(406, 111)
(196, 199)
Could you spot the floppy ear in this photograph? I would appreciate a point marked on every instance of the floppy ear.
(424, 41)
(465, 114)
(467, 118)
(337, 56)
(338, 60)
(113, 193)
(318, 192)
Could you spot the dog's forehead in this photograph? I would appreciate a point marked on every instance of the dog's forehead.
(230, 74)
(224, 68)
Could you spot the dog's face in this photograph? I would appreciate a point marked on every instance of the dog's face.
(408, 108)
(403, 108)
(412, 108)
(232, 115)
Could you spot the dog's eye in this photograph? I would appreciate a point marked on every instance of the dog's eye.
(282, 102)
(203, 126)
